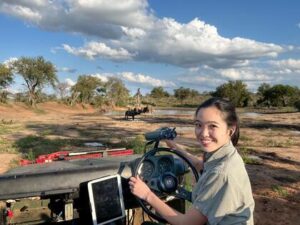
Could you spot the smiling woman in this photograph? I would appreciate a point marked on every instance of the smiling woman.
(223, 194)
(148, 44)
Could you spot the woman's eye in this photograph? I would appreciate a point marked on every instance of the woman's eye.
(197, 124)
(213, 126)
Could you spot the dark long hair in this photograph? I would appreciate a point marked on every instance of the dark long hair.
(230, 116)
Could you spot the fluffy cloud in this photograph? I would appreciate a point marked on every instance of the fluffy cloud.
(146, 80)
(96, 49)
(102, 77)
(92, 17)
(70, 82)
(127, 30)
(133, 78)
(249, 74)
(185, 45)
(200, 82)
(10, 61)
(207, 79)
(197, 43)
(287, 66)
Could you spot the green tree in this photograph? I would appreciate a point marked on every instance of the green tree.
(297, 105)
(116, 92)
(101, 99)
(194, 93)
(36, 73)
(281, 95)
(159, 92)
(6, 78)
(86, 88)
(235, 91)
(261, 92)
(184, 93)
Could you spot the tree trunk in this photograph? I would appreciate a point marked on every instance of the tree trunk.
(74, 98)
(32, 98)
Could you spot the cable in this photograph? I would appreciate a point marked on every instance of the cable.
(130, 218)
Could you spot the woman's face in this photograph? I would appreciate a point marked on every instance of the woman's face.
(211, 129)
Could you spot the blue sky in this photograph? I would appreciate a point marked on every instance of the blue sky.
(171, 43)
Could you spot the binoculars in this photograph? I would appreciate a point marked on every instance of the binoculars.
(161, 133)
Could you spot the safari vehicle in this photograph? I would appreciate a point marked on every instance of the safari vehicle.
(95, 191)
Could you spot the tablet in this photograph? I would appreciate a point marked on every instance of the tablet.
(106, 199)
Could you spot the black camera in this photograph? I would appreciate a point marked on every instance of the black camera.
(161, 133)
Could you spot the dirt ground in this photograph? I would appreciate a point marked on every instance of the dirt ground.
(270, 140)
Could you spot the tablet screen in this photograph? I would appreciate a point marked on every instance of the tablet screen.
(106, 199)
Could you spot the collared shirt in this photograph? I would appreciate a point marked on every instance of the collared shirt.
(223, 193)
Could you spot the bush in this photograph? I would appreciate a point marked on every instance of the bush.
(4, 96)
(33, 146)
(282, 192)
(137, 144)
(21, 97)
(297, 105)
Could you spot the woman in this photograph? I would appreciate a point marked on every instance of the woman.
(223, 192)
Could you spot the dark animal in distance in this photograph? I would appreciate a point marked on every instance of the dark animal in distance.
(145, 109)
(131, 113)
(135, 112)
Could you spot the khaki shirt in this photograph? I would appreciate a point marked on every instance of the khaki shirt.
(223, 193)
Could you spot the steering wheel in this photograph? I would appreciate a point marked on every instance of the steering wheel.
(168, 183)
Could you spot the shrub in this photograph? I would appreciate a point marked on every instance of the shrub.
(280, 190)
(137, 144)
(297, 105)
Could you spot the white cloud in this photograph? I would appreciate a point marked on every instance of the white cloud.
(100, 18)
(197, 43)
(287, 66)
(199, 79)
(146, 80)
(133, 78)
(186, 45)
(70, 82)
(93, 50)
(133, 33)
(127, 30)
(249, 74)
(209, 78)
(200, 82)
(10, 61)
(231, 73)
(194, 69)
(22, 11)
(102, 77)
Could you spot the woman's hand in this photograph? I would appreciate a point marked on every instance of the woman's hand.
(196, 161)
(139, 188)
(171, 144)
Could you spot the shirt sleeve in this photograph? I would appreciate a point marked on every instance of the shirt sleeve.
(215, 197)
